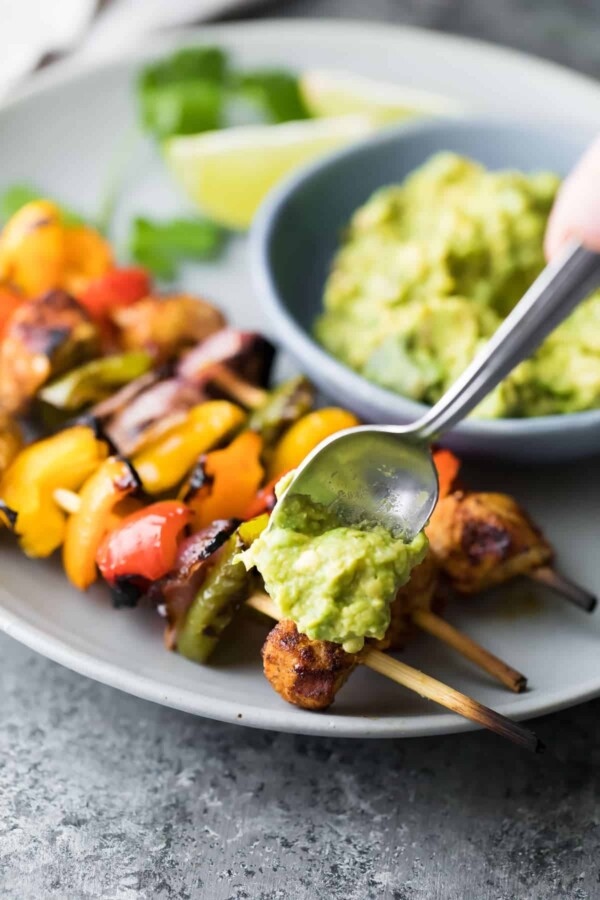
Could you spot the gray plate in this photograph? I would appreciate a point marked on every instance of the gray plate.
(63, 135)
(297, 233)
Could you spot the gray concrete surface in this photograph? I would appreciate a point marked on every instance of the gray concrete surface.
(106, 796)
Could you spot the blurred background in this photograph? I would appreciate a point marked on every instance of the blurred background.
(34, 32)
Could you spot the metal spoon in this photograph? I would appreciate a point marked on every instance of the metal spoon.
(385, 473)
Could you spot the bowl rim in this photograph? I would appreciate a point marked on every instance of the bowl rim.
(300, 343)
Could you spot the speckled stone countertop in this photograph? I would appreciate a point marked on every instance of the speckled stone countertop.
(106, 796)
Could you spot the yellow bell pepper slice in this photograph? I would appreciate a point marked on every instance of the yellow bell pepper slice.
(32, 251)
(164, 463)
(304, 435)
(99, 496)
(64, 460)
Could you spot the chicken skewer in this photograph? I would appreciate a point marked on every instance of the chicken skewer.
(412, 605)
(335, 665)
(331, 667)
(415, 605)
(484, 539)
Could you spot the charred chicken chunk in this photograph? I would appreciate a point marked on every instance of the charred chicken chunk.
(305, 673)
(44, 337)
(482, 539)
(164, 326)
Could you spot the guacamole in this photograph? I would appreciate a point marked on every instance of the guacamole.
(334, 581)
(428, 270)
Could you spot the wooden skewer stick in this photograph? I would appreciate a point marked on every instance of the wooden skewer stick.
(428, 621)
(411, 678)
(469, 648)
(446, 696)
(69, 501)
(428, 687)
(241, 390)
(572, 592)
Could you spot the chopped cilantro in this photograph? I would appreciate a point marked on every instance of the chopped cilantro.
(192, 90)
(276, 92)
(184, 93)
(160, 246)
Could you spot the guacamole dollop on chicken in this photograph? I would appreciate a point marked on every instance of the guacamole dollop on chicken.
(335, 581)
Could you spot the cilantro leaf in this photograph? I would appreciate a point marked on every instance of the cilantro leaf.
(184, 93)
(182, 108)
(160, 246)
(276, 92)
(188, 64)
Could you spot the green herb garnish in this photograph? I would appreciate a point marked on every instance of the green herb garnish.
(276, 93)
(192, 91)
(160, 246)
(184, 93)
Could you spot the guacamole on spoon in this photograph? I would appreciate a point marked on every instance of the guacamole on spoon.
(335, 581)
(427, 271)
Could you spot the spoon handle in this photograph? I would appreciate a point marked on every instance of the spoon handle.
(564, 283)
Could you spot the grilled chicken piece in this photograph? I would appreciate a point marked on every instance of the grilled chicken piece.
(304, 672)
(482, 539)
(421, 592)
(44, 337)
(164, 326)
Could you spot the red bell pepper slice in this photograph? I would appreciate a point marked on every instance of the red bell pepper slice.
(145, 544)
(119, 287)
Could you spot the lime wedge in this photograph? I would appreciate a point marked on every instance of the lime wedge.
(227, 173)
(331, 93)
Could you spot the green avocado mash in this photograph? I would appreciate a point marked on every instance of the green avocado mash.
(335, 582)
(428, 270)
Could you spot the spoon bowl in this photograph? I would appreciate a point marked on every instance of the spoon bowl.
(367, 476)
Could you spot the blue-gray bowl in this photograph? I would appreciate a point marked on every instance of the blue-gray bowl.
(296, 234)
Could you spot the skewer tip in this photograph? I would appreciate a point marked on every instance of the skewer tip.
(574, 593)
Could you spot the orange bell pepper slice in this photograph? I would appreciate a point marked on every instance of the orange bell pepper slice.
(87, 256)
(225, 481)
(448, 467)
(100, 494)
